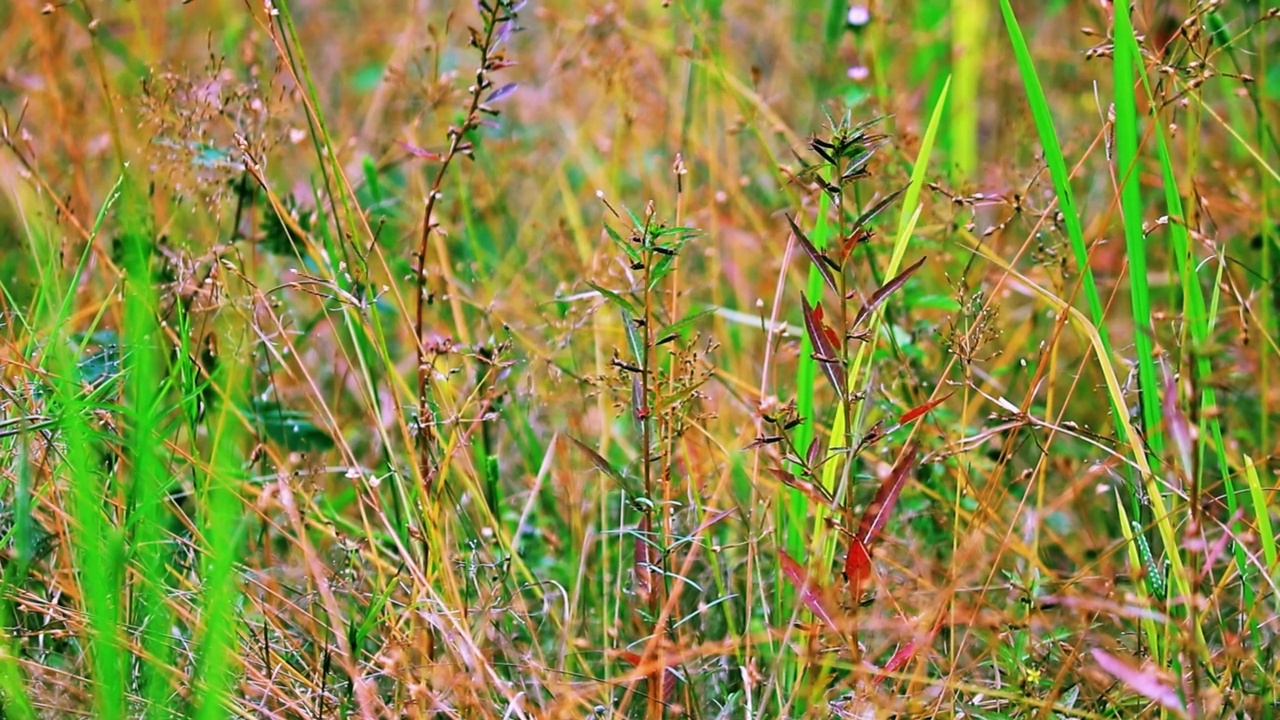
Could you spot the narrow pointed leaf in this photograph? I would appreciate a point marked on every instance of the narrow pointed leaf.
(634, 339)
(810, 593)
(877, 513)
(813, 455)
(601, 463)
(900, 658)
(870, 213)
(878, 297)
(711, 520)
(825, 345)
(500, 93)
(908, 651)
(918, 412)
(661, 268)
(1145, 681)
(615, 298)
(822, 152)
(627, 247)
(763, 440)
(680, 327)
(635, 220)
(857, 563)
(418, 152)
(826, 266)
(816, 493)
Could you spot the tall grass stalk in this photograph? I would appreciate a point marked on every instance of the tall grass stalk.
(651, 487)
(968, 35)
(1151, 490)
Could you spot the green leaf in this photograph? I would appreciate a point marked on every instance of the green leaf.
(661, 268)
(604, 466)
(680, 327)
(633, 337)
(623, 303)
(627, 248)
(100, 365)
(292, 430)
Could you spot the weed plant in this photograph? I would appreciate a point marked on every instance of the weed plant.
(653, 360)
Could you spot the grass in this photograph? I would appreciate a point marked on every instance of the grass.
(669, 360)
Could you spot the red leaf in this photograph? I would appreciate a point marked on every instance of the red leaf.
(878, 297)
(908, 651)
(899, 659)
(825, 345)
(810, 593)
(816, 493)
(857, 563)
(877, 512)
(851, 241)
(1145, 681)
(712, 519)
(669, 675)
(914, 413)
(821, 261)
(813, 455)
(416, 151)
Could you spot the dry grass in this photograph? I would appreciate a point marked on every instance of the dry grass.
(502, 497)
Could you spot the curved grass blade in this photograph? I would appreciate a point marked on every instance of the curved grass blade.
(1053, 157)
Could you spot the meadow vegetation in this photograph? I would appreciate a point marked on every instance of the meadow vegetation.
(639, 360)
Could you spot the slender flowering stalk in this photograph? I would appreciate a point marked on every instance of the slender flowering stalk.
(498, 23)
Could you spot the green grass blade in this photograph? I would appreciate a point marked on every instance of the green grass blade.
(1261, 513)
(222, 523)
(968, 34)
(99, 551)
(148, 482)
(1198, 320)
(1127, 174)
(1043, 117)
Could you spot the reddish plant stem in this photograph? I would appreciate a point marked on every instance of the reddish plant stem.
(426, 437)
(426, 419)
